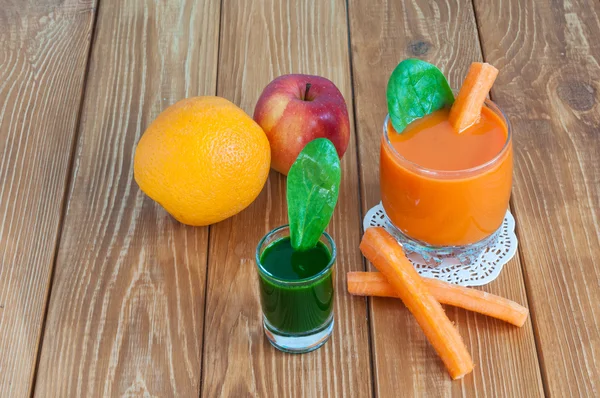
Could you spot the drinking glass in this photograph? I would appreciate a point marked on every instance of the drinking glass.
(441, 214)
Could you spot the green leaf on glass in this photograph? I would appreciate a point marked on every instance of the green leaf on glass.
(416, 88)
(313, 185)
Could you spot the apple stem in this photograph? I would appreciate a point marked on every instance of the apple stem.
(306, 91)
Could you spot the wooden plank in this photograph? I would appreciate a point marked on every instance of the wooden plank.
(550, 54)
(126, 309)
(43, 57)
(505, 357)
(259, 41)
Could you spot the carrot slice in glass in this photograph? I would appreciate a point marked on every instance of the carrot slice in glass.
(466, 109)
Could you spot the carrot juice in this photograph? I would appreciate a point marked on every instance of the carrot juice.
(443, 188)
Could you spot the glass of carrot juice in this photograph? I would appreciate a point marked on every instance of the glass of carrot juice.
(447, 193)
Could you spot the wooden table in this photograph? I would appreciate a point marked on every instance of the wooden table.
(103, 294)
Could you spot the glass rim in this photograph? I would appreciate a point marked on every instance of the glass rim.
(454, 173)
(295, 282)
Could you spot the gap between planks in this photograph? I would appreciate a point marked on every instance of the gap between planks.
(534, 324)
(209, 232)
(372, 361)
(65, 198)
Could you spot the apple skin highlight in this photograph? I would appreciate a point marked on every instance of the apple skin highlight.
(291, 117)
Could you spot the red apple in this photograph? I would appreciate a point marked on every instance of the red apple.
(296, 109)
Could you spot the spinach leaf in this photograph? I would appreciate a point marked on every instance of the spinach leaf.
(312, 191)
(415, 89)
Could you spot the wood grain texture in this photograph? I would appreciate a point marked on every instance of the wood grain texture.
(548, 54)
(126, 309)
(259, 41)
(43, 57)
(445, 34)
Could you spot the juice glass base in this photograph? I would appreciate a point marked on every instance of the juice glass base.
(434, 255)
(298, 343)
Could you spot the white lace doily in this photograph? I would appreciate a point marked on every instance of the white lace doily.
(485, 269)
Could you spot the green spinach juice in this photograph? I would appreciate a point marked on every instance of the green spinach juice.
(296, 291)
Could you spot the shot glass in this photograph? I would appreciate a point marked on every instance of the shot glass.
(297, 311)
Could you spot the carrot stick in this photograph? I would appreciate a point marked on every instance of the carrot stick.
(387, 256)
(466, 109)
(375, 284)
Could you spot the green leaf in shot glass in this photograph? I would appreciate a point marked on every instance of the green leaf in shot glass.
(312, 191)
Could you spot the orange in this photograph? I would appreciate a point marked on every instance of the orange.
(203, 159)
